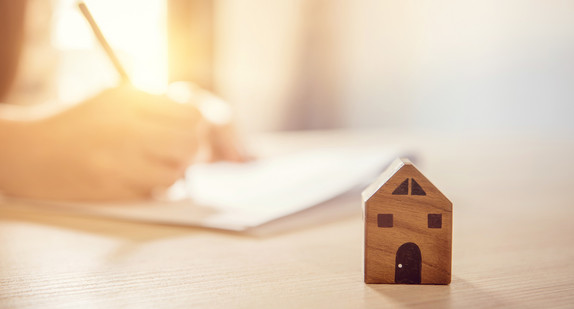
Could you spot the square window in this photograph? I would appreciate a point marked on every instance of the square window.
(385, 220)
(435, 221)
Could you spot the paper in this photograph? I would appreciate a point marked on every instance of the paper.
(240, 196)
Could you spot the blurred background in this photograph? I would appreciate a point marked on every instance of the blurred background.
(322, 64)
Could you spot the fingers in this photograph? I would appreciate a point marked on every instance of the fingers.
(148, 107)
(146, 174)
(176, 147)
(121, 191)
(168, 132)
(131, 174)
(224, 144)
(166, 112)
(128, 188)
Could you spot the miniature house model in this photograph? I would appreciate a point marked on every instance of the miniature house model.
(408, 228)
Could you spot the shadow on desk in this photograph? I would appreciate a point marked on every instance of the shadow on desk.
(340, 208)
(429, 296)
(128, 230)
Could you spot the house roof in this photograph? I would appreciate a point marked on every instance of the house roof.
(395, 166)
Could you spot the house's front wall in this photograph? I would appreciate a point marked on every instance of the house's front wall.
(410, 224)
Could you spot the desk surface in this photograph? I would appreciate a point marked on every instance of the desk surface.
(513, 243)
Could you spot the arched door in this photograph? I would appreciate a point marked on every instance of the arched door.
(408, 264)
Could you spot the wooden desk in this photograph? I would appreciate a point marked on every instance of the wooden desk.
(513, 243)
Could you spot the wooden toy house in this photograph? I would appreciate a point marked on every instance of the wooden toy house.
(408, 228)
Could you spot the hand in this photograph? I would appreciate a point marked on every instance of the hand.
(219, 139)
(121, 144)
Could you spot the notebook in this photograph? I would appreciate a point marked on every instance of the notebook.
(237, 197)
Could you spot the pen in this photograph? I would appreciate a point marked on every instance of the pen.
(103, 42)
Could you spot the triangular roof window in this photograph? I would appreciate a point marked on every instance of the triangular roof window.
(403, 188)
(416, 188)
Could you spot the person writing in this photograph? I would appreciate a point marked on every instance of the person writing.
(122, 144)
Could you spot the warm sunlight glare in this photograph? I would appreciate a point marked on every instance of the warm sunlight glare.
(136, 31)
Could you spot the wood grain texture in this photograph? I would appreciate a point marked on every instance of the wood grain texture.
(400, 192)
(513, 242)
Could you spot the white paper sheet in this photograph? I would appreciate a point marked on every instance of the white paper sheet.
(241, 196)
